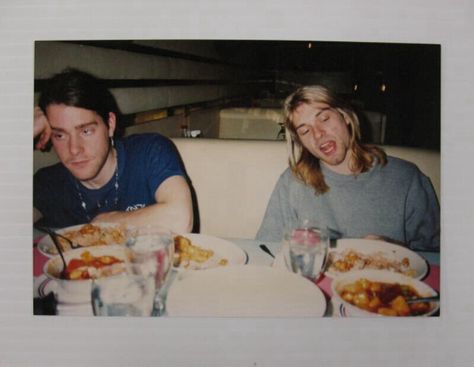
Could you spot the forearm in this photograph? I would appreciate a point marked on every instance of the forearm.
(176, 216)
(41, 128)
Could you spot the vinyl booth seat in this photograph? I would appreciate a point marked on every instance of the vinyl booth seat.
(232, 179)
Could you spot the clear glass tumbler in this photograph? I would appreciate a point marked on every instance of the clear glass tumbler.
(305, 250)
(127, 294)
(152, 252)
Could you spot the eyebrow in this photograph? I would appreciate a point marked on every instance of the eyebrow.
(78, 127)
(317, 115)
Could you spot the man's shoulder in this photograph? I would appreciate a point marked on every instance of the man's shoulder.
(288, 176)
(147, 143)
(54, 169)
(144, 139)
(400, 163)
(288, 179)
(54, 175)
(400, 166)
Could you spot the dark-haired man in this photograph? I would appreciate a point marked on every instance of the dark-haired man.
(137, 180)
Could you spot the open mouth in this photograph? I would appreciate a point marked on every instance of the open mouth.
(328, 147)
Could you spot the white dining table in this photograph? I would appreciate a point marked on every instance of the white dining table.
(255, 256)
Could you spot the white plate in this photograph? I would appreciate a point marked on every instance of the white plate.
(46, 245)
(222, 250)
(389, 250)
(244, 291)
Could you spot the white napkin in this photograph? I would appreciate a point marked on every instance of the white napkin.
(80, 309)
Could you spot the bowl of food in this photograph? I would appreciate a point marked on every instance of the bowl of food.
(73, 285)
(376, 293)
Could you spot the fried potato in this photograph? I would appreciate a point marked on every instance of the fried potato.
(189, 255)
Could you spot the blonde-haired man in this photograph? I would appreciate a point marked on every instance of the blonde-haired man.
(337, 182)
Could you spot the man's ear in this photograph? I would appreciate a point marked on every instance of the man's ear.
(112, 122)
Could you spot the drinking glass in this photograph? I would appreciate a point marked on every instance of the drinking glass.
(305, 250)
(129, 293)
(152, 252)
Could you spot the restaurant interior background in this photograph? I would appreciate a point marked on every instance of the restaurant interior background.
(234, 89)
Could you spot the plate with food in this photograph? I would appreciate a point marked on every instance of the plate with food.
(359, 254)
(85, 235)
(376, 293)
(195, 251)
(244, 291)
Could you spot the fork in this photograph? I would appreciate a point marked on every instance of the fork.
(54, 234)
(334, 235)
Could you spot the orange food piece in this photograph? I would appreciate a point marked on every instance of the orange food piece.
(400, 305)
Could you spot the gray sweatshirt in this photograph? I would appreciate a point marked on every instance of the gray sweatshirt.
(396, 201)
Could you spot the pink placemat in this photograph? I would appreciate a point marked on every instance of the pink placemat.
(38, 262)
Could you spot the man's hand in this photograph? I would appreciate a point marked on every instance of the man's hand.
(41, 128)
(383, 238)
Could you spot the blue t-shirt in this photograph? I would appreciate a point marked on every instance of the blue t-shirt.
(144, 162)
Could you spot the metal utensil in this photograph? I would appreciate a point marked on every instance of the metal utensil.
(334, 235)
(52, 234)
(423, 299)
(266, 249)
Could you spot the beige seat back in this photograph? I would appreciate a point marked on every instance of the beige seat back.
(233, 179)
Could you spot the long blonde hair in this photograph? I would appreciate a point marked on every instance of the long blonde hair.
(306, 166)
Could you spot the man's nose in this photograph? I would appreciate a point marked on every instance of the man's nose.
(75, 145)
(318, 130)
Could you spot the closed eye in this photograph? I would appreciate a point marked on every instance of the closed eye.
(323, 117)
(302, 130)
